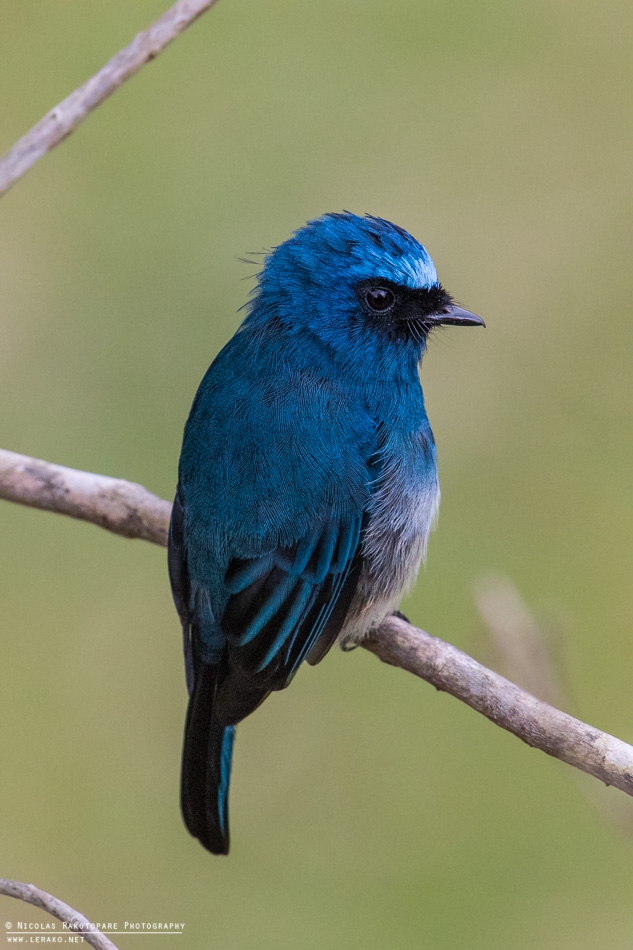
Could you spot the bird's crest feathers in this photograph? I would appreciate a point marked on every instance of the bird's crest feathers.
(342, 246)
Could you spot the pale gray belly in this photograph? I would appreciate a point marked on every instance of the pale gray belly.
(402, 515)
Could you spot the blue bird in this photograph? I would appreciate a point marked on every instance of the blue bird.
(307, 480)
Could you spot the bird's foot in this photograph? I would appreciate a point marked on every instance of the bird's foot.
(348, 645)
(400, 616)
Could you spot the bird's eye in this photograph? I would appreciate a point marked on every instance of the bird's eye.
(379, 299)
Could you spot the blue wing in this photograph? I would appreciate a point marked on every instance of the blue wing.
(275, 477)
(179, 581)
(285, 607)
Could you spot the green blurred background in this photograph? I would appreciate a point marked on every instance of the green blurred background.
(367, 810)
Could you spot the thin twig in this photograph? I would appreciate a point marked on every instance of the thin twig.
(65, 117)
(80, 494)
(74, 921)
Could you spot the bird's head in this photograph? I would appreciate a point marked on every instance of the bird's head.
(357, 282)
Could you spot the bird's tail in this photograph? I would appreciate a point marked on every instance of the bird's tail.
(206, 764)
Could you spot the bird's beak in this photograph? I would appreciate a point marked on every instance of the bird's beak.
(456, 317)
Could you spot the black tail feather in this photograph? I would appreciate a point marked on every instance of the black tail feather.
(239, 695)
(206, 764)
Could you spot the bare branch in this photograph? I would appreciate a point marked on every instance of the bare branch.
(523, 651)
(65, 117)
(507, 705)
(119, 506)
(134, 512)
(75, 921)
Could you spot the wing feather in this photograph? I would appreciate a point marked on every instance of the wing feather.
(290, 603)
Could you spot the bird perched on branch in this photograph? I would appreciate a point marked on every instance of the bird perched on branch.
(307, 480)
